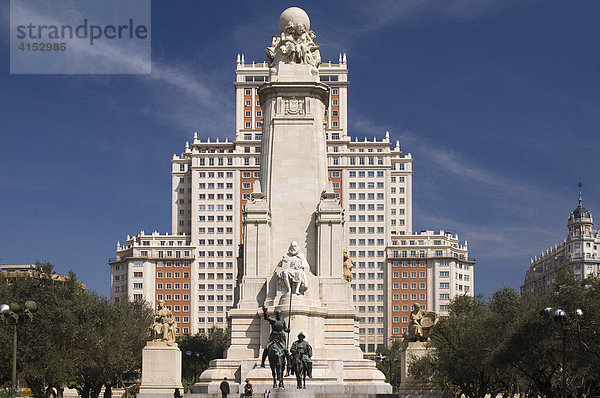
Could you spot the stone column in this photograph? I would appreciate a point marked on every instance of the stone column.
(293, 155)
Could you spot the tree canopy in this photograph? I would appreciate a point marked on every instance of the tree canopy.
(507, 344)
(76, 338)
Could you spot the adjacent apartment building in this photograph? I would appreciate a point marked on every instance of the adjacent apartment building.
(195, 268)
(578, 253)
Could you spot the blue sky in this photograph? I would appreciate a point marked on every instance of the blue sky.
(498, 102)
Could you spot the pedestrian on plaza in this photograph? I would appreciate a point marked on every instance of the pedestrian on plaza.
(248, 389)
(177, 394)
(224, 387)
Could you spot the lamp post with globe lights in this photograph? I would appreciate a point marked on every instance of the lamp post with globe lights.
(14, 314)
(195, 356)
(564, 320)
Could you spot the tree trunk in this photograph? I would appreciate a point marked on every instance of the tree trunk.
(107, 390)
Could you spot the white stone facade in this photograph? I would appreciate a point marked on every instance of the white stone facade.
(578, 253)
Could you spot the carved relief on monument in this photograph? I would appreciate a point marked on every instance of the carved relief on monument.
(293, 106)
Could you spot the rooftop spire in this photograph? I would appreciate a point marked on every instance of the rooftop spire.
(580, 185)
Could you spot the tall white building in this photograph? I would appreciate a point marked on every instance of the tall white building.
(195, 269)
(577, 253)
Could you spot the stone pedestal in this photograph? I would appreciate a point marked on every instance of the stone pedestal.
(161, 370)
(289, 393)
(335, 378)
(409, 386)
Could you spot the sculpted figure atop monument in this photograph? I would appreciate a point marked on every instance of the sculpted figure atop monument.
(348, 265)
(295, 41)
(292, 270)
(421, 324)
(164, 325)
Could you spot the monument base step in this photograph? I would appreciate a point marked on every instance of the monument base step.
(337, 378)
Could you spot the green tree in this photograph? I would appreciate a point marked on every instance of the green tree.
(76, 338)
(464, 360)
(389, 362)
(210, 346)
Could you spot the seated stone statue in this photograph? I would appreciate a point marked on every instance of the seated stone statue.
(164, 325)
(292, 270)
(421, 324)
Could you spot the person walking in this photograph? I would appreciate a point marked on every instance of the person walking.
(177, 394)
(224, 387)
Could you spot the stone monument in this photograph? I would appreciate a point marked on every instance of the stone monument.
(161, 358)
(295, 202)
(416, 340)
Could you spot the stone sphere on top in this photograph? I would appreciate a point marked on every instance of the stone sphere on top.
(296, 15)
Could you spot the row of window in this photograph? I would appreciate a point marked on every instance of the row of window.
(363, 218)
(370, 286)
(412, 263)
(175, 297)
(218, 297)
(413, 274)
(413, 286)
(169, 286)
(370, 275)
(368, 185)
(363, 174)
(370, 253)
(210, 264)
(215, 207)
(170, 243)
(412, 296)
(363, 242)
(217, 174)
(211, 308)
(370, 331)
(212, 185)
(363, 196)
(218, 230)
(214, 287)
(370, 297)
(175, 275)
(362, 230)
(218, 242)
(211, 253)
(215, 218)
(212, 196)
(210, 319)
(219, 275)
(371, 308)
(369, 160)
(362, 264)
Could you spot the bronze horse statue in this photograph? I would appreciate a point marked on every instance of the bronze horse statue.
(298, 367)
(277, 362)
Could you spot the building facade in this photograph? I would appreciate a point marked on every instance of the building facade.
(577, 253)
(195, 269)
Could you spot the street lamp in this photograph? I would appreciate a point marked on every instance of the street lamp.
(14, 314)
(195, 357)
(391, 363)
(563, 319)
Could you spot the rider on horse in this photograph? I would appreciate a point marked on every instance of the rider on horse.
(302, 351)
(277, 336)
